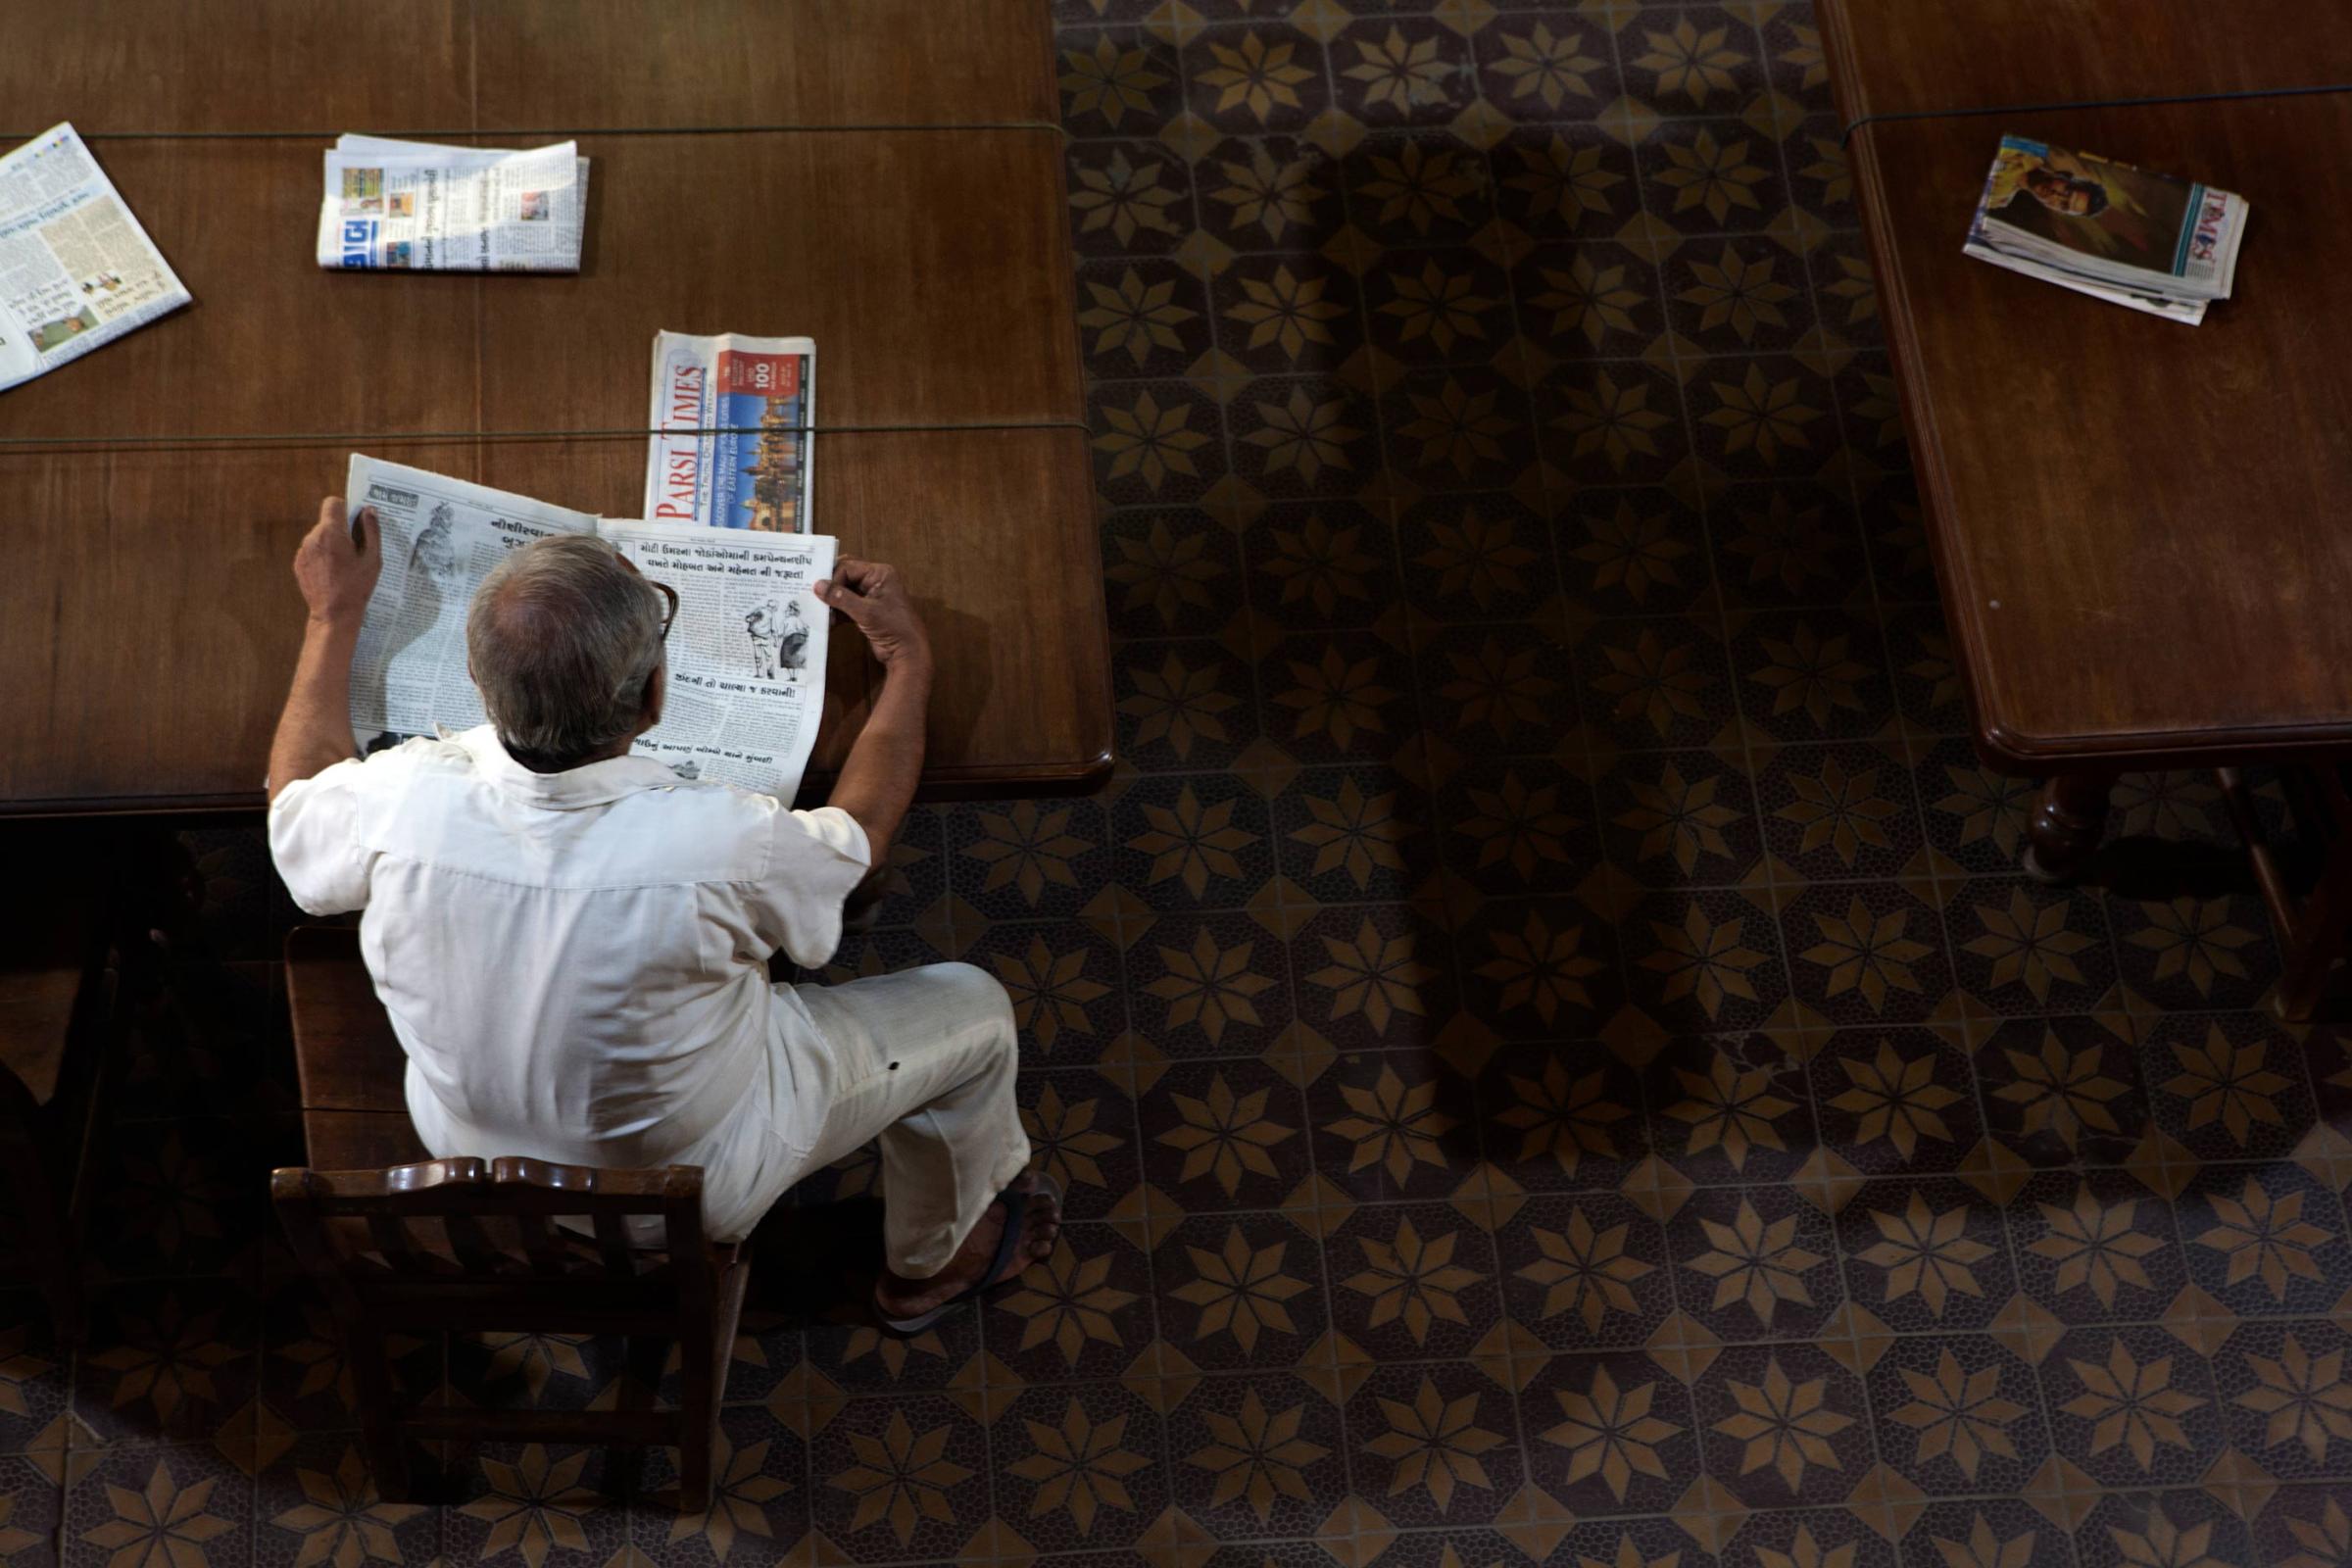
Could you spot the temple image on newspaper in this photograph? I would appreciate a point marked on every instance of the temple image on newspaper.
(776, 476)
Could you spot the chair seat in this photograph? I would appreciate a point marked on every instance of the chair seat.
(344, 1046)
(361, 1140)
(36, 1014)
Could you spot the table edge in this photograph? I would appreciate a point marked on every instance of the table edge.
(2014, 751)
(1846, 72)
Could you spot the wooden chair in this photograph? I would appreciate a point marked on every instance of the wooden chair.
(475, 1245)
(464, 1246)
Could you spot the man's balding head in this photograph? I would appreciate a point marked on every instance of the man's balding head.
(563, 639)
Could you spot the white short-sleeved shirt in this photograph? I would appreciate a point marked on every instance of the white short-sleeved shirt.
(576, 963)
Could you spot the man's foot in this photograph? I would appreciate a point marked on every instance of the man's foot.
(901, 1300)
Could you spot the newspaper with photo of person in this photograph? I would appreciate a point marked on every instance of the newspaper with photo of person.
(731, 417)
(77, 271)
(423, 207)
(746, 651)
(2108, 229)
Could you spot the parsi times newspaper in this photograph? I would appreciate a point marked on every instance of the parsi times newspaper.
(732, 417)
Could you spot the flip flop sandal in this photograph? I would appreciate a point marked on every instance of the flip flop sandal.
(1016, 1206)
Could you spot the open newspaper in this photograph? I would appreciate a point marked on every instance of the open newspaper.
(2107, 229)
(76, 269)
(747, 651)
(731, 417)
(437, 209)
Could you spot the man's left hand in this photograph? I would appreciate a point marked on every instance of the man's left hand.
(336, 572)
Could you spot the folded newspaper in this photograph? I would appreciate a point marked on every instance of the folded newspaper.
(437, 209)
(747, 651)
(76, 267)
(2155, 243)
(731, 417)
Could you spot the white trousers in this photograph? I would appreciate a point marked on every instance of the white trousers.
(923, 1062)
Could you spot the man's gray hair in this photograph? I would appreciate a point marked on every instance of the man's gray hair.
(562, 637)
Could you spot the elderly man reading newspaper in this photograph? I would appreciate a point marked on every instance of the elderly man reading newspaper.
(572, 941)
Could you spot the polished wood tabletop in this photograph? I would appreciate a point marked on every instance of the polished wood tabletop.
(902, 204)
(1922, 57)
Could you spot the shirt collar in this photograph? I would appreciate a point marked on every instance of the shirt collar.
(595, 784)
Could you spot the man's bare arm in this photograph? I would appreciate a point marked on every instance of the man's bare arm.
(877, 781)
(337, 575)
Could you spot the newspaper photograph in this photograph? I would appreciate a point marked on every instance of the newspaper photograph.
(760, 390)
(77, 271)
(747, 651)
(440, 537)
(425, 206)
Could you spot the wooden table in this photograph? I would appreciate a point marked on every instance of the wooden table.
(2134, 523)
(911, 221)
(1908, 58)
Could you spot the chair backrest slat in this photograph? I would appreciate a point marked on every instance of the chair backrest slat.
(612, 1246)
(473, 1247)
(539, 1244)
(392, 1239)
(451, 1219)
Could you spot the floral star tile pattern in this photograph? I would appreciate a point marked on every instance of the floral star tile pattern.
(1549, 1050)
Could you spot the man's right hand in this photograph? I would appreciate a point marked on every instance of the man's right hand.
(875, 596)
(335, 571)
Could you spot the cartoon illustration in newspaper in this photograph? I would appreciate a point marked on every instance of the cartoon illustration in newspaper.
(793, 647)
(779, 639)
(434, 554)
(764, 627)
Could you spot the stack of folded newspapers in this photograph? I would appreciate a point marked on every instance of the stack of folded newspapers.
(2119, 233)
(436, 209)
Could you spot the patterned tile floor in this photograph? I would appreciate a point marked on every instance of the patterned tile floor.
(1549, 1051)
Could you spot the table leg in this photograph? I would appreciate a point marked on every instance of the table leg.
(2065, 824)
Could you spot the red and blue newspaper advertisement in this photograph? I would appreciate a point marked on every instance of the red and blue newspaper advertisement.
(731, 421)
